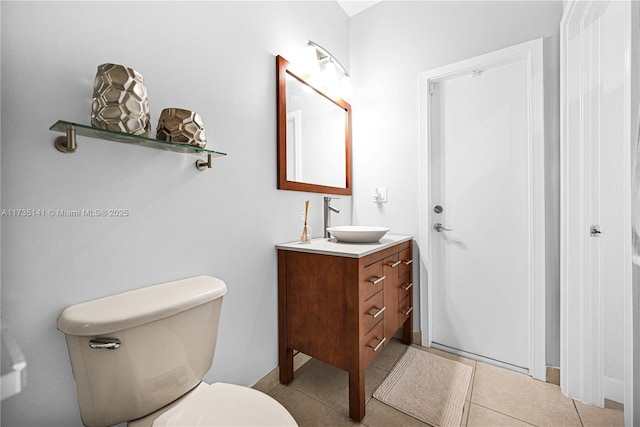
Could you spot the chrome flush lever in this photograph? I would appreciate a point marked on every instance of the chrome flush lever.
(104, 343)
(439, 227)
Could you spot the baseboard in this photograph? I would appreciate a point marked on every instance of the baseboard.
(272, 379)
(610, 404)
(613, 389)
(553, 375)
(417, 338)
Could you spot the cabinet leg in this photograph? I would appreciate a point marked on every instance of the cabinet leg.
(356, 394)
(286, 366)
(407, 331)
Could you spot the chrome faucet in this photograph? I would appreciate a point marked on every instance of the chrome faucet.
(327, 213)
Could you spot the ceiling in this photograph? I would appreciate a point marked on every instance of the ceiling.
(352, 7)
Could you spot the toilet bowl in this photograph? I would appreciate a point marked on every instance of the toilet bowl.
(140, 357)
(234, 406)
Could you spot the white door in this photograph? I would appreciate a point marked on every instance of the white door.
(596, 356)
(483, 189)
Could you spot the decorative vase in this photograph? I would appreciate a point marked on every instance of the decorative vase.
(120, 100)
(181, 126)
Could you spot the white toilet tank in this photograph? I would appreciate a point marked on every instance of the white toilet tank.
(152, 345)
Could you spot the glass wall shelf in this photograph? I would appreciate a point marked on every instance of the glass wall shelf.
(68, 144)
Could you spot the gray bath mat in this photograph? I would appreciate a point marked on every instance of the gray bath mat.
(427, 387)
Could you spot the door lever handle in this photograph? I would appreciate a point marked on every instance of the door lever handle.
(439, 227)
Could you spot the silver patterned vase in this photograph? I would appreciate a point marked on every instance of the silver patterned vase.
(120, 100)
(181, 126)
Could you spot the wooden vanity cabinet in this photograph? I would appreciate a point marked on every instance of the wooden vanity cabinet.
(343, 309)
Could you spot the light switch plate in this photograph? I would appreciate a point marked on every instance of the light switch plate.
(380, 195)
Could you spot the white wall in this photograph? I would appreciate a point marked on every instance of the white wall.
(635, 208)
(217, 58)
(391, 44)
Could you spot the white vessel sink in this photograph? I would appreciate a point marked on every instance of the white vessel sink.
(357, 233)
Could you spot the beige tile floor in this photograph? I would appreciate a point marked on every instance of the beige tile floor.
(318, 396)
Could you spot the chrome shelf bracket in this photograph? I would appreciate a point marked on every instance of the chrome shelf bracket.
(202, 165)
(68, 143)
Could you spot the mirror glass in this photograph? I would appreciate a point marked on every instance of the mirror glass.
(314, 138)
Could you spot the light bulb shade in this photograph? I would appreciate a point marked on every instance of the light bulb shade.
(311, 64)
(325, 72)
(330, 77)
(330, 68)
(346, 91)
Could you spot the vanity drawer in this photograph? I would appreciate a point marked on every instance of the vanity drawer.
(373, 343)
(405, 308)
(371, 280)
(405, 286)
(406, 261)
(373, 311)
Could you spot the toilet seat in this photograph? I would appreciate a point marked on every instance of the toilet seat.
(222, 404)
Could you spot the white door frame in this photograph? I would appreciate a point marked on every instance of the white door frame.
(531, 52)
(582, 323)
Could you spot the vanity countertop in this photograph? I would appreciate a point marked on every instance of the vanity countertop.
(331, 246)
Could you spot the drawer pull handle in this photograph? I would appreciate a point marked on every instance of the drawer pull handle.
(407, 286)
(377, 347)
(394, 264)
(377, 280)
(379, 312)
(408, 262)
(407, 311)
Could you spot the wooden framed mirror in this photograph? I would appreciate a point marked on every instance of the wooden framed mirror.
(314, 136)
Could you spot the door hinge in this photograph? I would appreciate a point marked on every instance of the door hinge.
(430, 88)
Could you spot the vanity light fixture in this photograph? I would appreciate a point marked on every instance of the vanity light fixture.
(324, 69)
